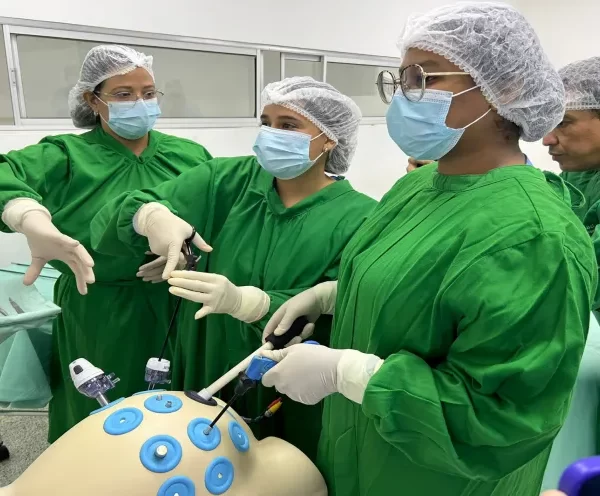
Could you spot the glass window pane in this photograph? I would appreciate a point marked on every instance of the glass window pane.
(304, 68)
(6, 113)
(271, 67)
(359, 83)
(204, 84)
(49, 69)
(196, 84)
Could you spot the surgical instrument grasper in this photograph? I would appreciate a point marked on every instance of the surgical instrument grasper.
(191, 262)
(273, 342)
(258, 367)
(157, 369)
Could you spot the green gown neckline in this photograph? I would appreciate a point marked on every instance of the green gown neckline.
(445, 182)
(277, 207)
(101, 137)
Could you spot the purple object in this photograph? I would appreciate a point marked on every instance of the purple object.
(581, 478)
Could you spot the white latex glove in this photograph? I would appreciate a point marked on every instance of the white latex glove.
(153, 271)
(552, 493)
(166, 233)
(307, 373)
(219, 295)
(47, 243)
(312, 303)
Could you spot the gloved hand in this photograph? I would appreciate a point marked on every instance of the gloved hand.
(552, 492)
(47, 243)
(153, 271)
(307, 373)
(166, 233)
(219, 295)
(311, 304)
(413, 164)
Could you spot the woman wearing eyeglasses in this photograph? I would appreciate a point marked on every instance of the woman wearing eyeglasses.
(463, 301)
(51, 191)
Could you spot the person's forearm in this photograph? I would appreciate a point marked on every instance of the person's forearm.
(253, 305)
(112, 228)
(408, 399)
(17, 209)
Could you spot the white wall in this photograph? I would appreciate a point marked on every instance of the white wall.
(354, 26)
(568, 32)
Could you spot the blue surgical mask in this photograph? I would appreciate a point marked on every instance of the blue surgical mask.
(419, 128)
(284, 154)
(132, 122)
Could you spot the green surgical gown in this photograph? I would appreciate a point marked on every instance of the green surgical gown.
(122, 321)
(588, 183)
(476, 291)
(257, 242)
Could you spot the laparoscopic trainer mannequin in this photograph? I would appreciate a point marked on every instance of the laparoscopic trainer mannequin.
(154, 443)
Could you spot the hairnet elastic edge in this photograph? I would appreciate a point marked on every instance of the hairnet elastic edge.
(580, 106)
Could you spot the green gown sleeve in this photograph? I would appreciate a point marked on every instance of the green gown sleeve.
(591, 222)
(596, 243)
(27, 173)
(201, 196)
(323, 326)
(501, 394)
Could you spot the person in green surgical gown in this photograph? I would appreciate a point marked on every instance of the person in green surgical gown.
(51, 191)
(277, 223)
(575, 142)
(575, 145)
(463, 301)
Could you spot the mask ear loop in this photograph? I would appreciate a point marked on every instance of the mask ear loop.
(479, 118)
(318, 136)
(323, 152)
(464, 91)
(97, 114)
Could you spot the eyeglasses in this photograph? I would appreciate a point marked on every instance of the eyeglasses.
(132, 98)
(412, 81)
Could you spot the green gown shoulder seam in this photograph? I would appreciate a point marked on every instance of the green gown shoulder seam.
(165, 136)
(495, 252)
(582, 264)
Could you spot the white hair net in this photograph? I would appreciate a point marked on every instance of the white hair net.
(332, 112)
(101, 63)
(500, 50)
(582, 84)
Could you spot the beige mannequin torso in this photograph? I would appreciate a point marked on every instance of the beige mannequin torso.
(90, 461)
